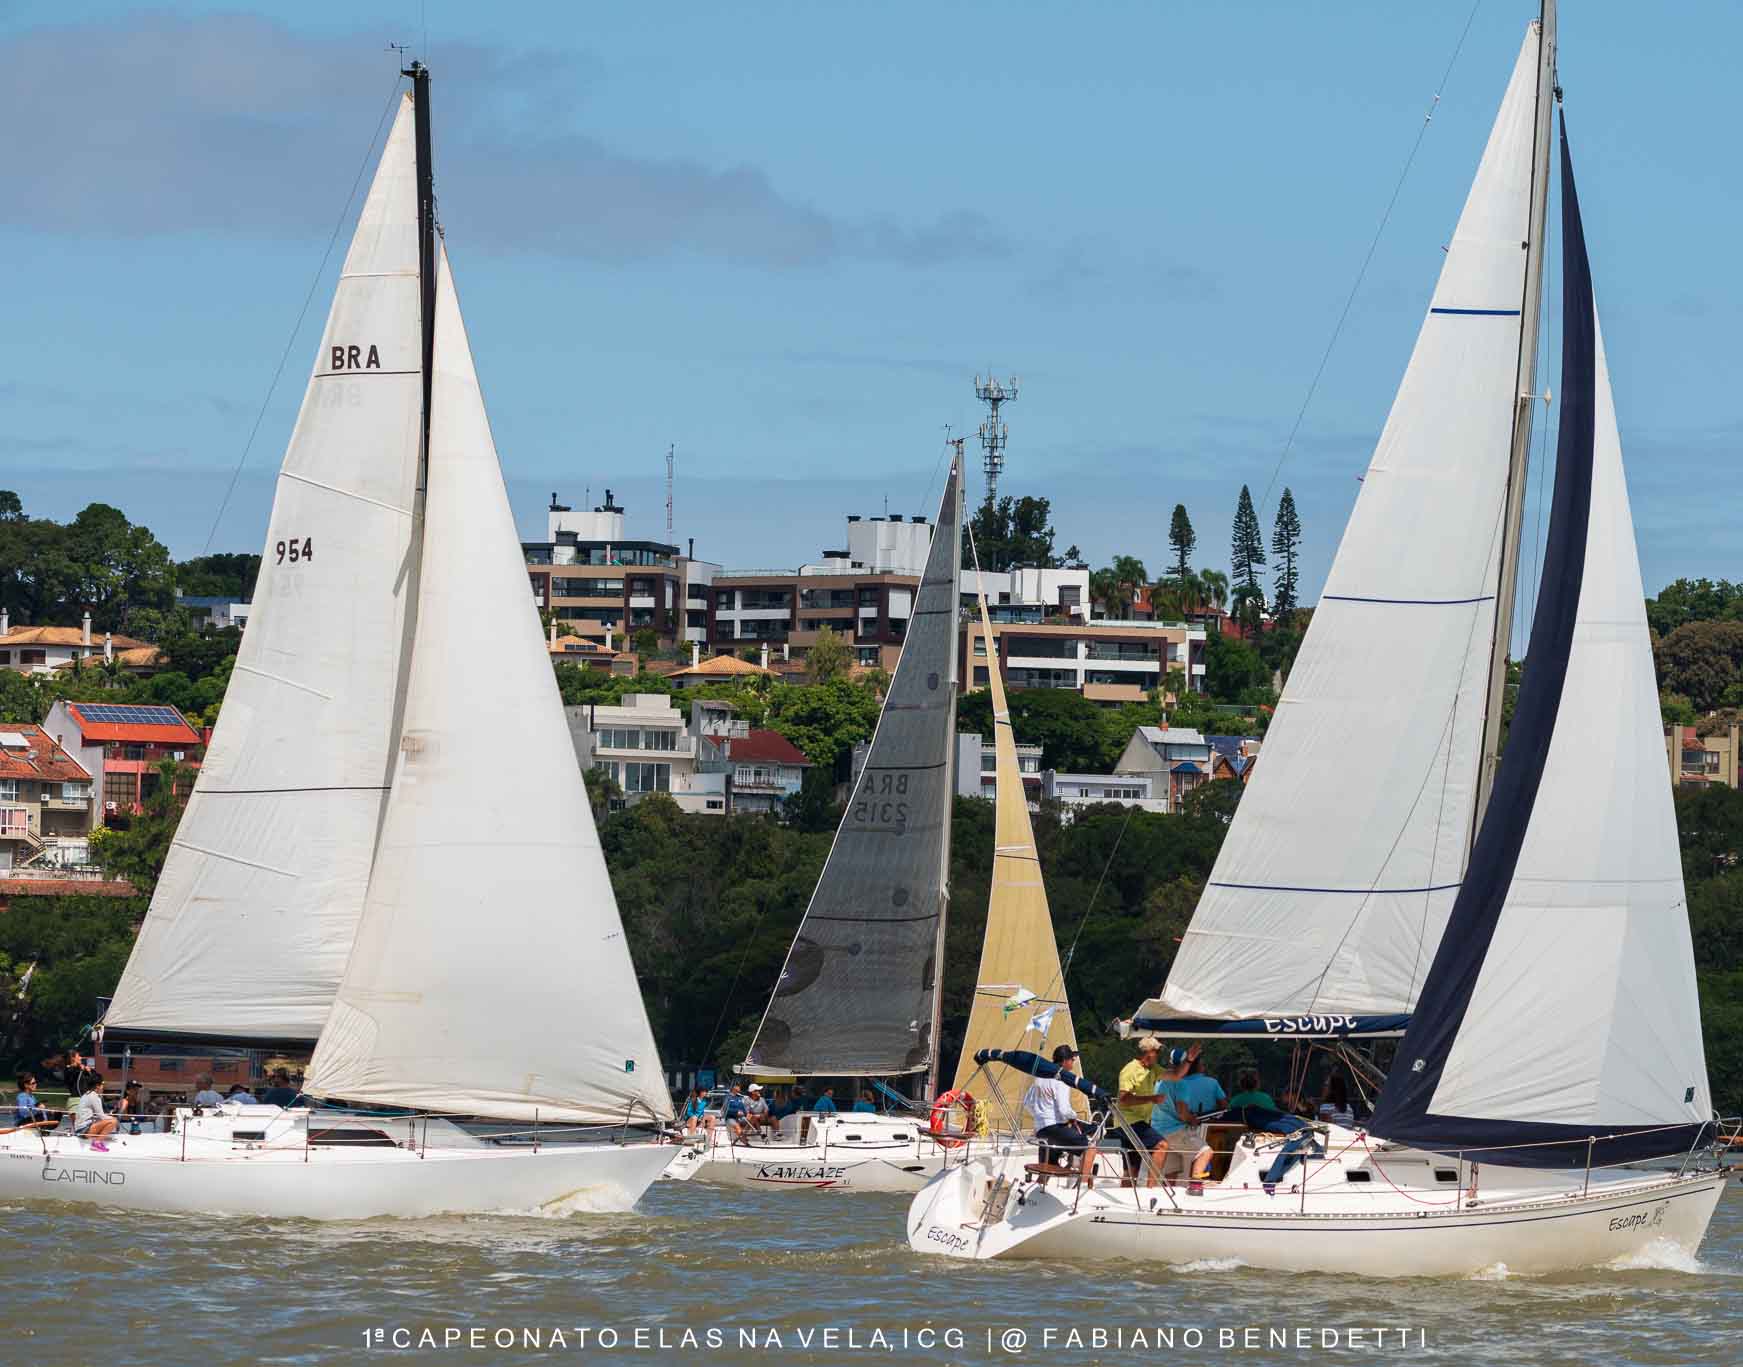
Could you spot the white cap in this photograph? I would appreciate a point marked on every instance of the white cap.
(756, 1086)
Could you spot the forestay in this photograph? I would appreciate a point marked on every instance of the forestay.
(858, 992)
(1562, 1005)
(254, 915)
(1330, 893)
(491, 975)
(1019, 958)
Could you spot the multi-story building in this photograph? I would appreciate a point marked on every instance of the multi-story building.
(214, 613)
(122, 745)
(1697, 759)
(42, 650)
(47, 800)
(975, 763)
(593, 579)
(1073, 791)
(766, 768)
(1108, 662)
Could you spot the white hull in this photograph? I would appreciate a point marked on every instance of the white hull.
(1530, 1222)
(847, 1152)
(209, 1170)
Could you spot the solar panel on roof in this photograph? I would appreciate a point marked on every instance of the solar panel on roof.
(130, 715)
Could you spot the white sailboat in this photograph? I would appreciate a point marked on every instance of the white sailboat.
(1548, 1105)
(389, 852)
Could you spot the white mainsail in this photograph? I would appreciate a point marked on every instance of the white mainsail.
(490, 973)
(1329, 895)
(254, 915)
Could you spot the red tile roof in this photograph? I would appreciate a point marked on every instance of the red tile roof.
(769, 746)
(145, 725)
(64, 636)
(39, 757)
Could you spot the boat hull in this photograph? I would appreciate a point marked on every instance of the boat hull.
(850, 1152)
(290, 1180)
(965, 1213)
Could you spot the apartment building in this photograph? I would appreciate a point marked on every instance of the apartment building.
(766, 768)
(593, 579)
(1106, 661)
(121, 746)
(47, 801)
(975, 763)
(1075, 791)
(43, 650)
(1697, 759)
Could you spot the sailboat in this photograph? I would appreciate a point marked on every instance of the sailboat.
(860, 993)
(1521, 926)
(388, 855)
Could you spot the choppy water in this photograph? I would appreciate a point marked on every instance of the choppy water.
(80, 1285)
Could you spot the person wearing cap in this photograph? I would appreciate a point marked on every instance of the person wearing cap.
(1174, 1120)
(756, 1110)
(1057, 1127)
(1140, 1093)
(734, 1111)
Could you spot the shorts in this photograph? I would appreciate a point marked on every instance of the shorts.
(1145, 1133)
(1068, 1137)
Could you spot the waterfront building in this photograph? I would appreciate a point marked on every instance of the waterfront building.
(121, 745)
(47, 802)
(1108, 662)
(1705, 753)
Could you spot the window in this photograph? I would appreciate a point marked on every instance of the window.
(14, 821)
(868, 598)
(608, 768)
(132, 752)
(659, 740)
(5, 657)
(647, 778)
(121, 789)
(33, 657)
(723, 599)
(8, 790)
(587, 588)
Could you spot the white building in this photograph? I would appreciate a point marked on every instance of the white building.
(42, 650)
(1073, 791)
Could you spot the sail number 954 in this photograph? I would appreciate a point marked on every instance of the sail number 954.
(294, 550)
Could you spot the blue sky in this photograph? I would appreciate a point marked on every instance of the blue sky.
(785, 237)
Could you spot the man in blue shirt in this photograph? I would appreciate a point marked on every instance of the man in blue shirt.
(733, 1112)
(1174, 1119)
(825, 1104)
(865, 1104)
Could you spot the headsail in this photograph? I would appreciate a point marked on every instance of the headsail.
(1328, 898)
(490, 974)
(1019, 954)
(254, 915)
(1562, 1005)
(858, 993)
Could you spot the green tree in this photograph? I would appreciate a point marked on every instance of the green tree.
(1213, 588)
(1286, 546)
(21, 700)
(1232, 667)
(829, 658)
(824, 720)
(1694, 600)
(1012, 532)
(137, 852)
(229, 575)
(1183, 540)
(11, 508)
(646, 642)
(1701, 660)
(1247, 547)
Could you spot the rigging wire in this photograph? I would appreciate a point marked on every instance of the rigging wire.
(302, 314)
(1367, 260)
(762, 906)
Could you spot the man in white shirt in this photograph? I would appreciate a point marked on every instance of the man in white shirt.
(1056, 1124)
(89, 1120)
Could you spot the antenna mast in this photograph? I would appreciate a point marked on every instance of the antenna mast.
(993, 432)
(671, 453)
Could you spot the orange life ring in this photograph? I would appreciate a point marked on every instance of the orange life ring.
(939, 1123)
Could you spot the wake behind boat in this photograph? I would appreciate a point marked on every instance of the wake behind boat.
(339, 878)
(1524, 936)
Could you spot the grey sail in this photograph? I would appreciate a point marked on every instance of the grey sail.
(859, 992)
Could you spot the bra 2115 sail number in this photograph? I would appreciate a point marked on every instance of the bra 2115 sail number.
(295, 550)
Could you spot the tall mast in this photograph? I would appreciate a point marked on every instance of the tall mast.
(1524, 398)
(954, 479)
(420, 77)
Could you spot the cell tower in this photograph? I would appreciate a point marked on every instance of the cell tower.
(671, 453)
(993, 432)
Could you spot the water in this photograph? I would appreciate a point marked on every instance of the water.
(81, 1285)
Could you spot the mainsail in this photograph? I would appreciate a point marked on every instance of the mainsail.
(858, 995)
(254, 915)
(1561, 1013)
(1329, 897)
(490, 973)
(1020, 1000)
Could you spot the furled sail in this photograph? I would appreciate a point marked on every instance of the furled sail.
(490, 974)
(1562, 1006)
(858, 993)
(1020, 1000)
(255, 912)
(1329, 896)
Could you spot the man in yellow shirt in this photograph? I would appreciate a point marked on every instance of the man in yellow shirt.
(1140, 1091)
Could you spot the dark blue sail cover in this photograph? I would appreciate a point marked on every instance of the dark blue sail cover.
(1026, 1062)
(1403, 1114)
(1275, 1027)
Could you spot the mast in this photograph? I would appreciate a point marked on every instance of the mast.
(420, 78)
(1524, 397)
(949, 797)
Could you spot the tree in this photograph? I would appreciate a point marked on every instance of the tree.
(227, 575)
(1012, 532)
(1694, 600)
(21, 700)
(1286, 546)
(1701, 660)
(50, 574)
(1213, 587)
(646, 642)
(824, 720)
(1182, 538)
(1232, 667)
(1246, 547)
(137, 853)
(11, 507)
(830, 657)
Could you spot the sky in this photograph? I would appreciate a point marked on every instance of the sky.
(786, 237)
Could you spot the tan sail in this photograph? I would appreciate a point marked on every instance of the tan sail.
(1019, 955)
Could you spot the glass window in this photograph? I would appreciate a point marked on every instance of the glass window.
(647, 778)
(32, 657)
(8, 790)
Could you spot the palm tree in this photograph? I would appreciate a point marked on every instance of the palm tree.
(1214, 588)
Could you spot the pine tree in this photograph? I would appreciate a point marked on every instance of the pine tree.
(1183, 540)
(1286, 546)
(1247, 546)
